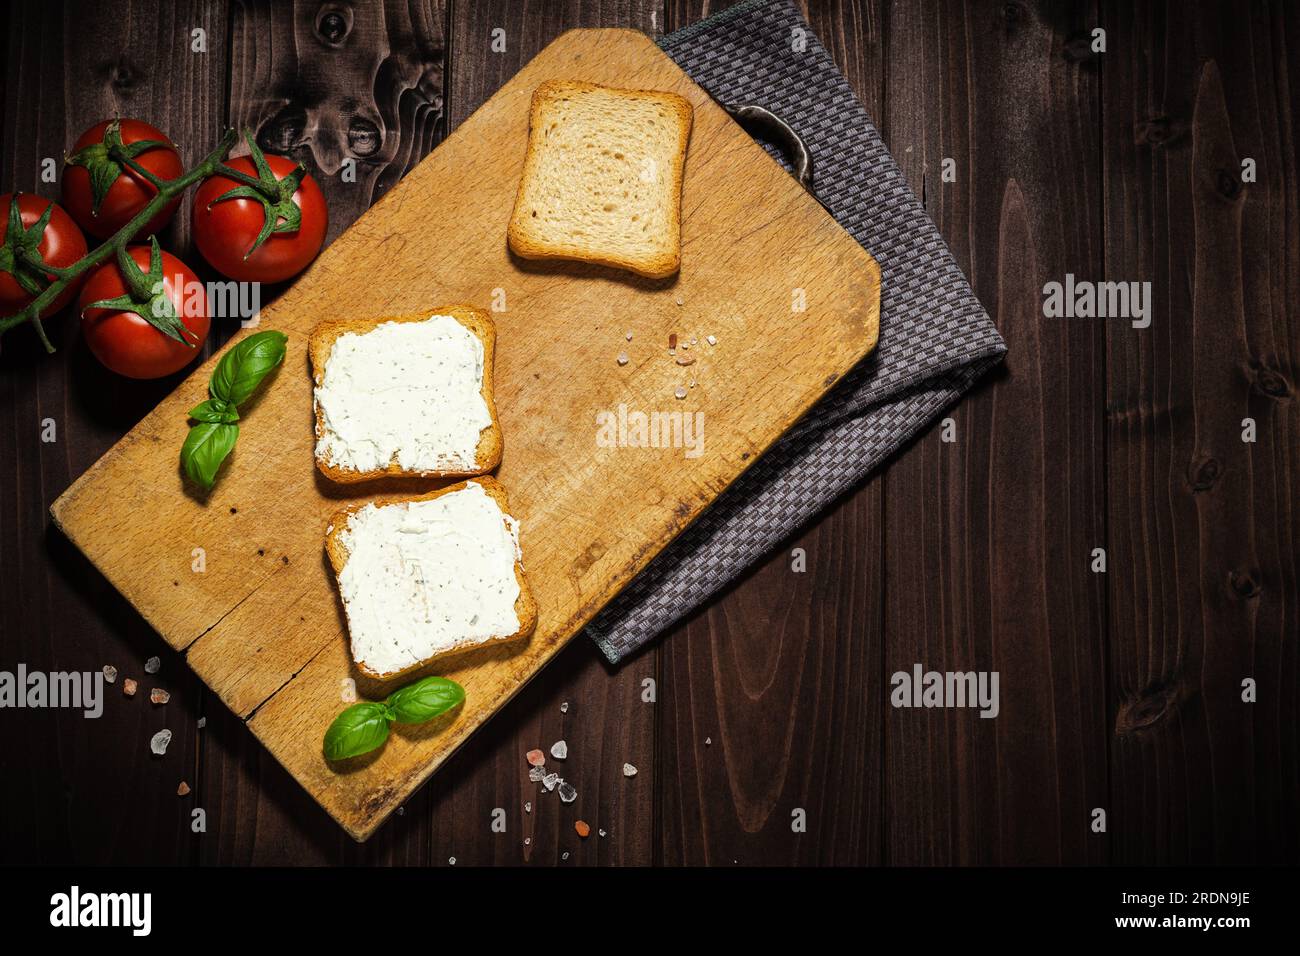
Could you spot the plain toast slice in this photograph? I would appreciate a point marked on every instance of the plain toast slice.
(428, 576)
(602, 178)
(401, 396)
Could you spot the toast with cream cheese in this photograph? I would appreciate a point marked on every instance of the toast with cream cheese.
(407, 396)
(427, 576)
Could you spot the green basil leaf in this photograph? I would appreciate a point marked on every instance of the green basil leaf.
(205, 448)
(243, 367)
(214, 411)
(425, 699)
(358, 730)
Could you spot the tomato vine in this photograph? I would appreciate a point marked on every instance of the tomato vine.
(167, 191)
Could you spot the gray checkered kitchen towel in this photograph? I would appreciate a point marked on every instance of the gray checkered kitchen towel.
(936, 339)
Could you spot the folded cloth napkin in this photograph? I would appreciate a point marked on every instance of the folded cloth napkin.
(936, 339)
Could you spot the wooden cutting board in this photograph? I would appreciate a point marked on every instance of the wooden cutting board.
(239, 581)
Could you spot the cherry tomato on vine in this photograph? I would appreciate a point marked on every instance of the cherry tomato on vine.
(36, 231)
(263, 232)
(137, 331)
(103, 192)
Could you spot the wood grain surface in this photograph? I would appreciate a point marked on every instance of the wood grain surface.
(1086, 163)
(1010, 510)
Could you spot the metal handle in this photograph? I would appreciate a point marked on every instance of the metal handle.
(761, 122)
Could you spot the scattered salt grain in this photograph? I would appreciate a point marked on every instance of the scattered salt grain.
(629, 770)
(680, 301)
(528, 806)
(451, 861)
(159, 696)
(568, 793)
(564, 708)
(528, 841)
(711, 339)
(535, 774)
(201, 723)
(601, 832)
(152, 665)
(535, 757)
(110, 673)
(128, 687)
(183, 789)
(564, 855)
(158, 743)
(622, 358)
(680, 392)
(629, 335)
(559, 750)
(708, 741)
(550, 780)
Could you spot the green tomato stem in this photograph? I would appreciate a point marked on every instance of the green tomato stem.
(135, 167)
(245, 180)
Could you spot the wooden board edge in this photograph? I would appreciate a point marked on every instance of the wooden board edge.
(56, 512)
(872, 318)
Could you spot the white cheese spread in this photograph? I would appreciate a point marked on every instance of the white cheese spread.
(423, 577)
(410, 392)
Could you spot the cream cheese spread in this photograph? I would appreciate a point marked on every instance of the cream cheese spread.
(410, 392)
(423, 577)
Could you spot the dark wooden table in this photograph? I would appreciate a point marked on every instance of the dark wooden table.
(1120, 690)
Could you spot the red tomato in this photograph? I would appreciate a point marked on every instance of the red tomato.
(128, 344)
(130, 191)
(60, 245)
(225, 231)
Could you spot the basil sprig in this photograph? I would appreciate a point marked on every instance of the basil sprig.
(236, 377)
(358, 730)
(364, 727)
(242, 369)
(425, 700)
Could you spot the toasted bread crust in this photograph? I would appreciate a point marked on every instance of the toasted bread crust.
(525, 604)
(518, 233)
(488, 453)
